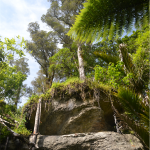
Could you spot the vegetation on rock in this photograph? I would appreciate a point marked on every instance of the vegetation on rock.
(117, 66)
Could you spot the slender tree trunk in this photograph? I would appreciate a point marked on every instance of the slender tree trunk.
(51, 78)
(17, 96)
(81, 64)
(37, 123)
(6, 145)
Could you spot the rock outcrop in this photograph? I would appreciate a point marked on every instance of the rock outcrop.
(78, 117)
(89, 141)
(74, 115)
(82, 141)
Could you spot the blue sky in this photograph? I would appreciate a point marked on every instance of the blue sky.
(15, 15)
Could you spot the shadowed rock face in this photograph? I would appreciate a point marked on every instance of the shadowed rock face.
(72, 115)
(89, 141)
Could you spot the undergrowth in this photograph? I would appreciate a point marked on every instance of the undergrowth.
(14, 119)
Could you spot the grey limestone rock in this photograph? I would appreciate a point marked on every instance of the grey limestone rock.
(89, 141)
(82, 141)
(73, 116)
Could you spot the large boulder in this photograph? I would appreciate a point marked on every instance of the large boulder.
(89, 141)
(72, 114)
(81, 141)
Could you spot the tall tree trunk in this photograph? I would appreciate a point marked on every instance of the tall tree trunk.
(81, 64)
(37, 123)
(18, 96)
(51, 78)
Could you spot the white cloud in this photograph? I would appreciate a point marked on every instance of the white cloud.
(19, 13)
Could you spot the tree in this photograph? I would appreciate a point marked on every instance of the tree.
(39, 83)
(107, 51)
(10, 78)
(12, 123)
(60, 18)
(134, 64)
(37, 123)
(129, 79)
(22, 66)
(64, 64)
(101, 18)
(42, 47)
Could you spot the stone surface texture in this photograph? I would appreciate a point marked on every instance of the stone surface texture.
(81, 141)
(89, 141)
(72, 115)
(80, 121)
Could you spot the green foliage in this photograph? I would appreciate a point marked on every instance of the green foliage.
(128, 76)
(10, 45)
(39, 83)
(138, 46)
(68, 87)
(128, 99)
(107, 57)
(69, 81)
(63, 64)
(32, 99)
(108, 19)
(130, 41)
(113, 75)
(56, 86)
(16, 119)
(106, 52)
(20, 128)
(3, 134)
(75, 84)
(136, 113)
(141, 57)
(89, 60)
(61, 16)
(105, 19)
(10, 77)
(31, 102)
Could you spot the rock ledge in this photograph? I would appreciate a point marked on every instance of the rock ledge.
(89, 141)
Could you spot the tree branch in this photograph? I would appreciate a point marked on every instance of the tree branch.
(30, 144)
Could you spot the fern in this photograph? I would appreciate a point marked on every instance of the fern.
(107, 57)
(99, 15)
(137, 113)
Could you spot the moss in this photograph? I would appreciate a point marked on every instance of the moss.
(71, 82)
(97, 85)
(71, 87)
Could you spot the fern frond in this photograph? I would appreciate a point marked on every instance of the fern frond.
(131, 101)
(107, 57)
(101, 14)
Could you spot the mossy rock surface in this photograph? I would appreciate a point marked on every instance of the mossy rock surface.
(76, 107)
